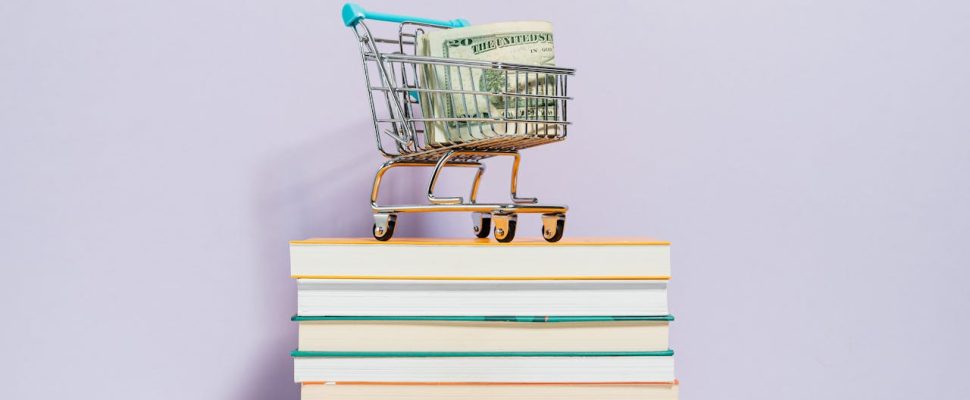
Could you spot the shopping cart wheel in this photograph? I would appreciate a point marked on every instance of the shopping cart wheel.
(482, 224)
(553, 226)
(504, 227)
(384, 226)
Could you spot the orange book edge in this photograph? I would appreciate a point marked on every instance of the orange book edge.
(571, 241)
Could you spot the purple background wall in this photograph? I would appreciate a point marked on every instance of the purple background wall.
(809, 160)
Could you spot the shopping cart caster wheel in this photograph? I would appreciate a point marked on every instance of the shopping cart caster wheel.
(482, 224)
(553, 226)
(384, 226)
(504, 227)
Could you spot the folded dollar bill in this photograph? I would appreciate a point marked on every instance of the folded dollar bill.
(523, 42)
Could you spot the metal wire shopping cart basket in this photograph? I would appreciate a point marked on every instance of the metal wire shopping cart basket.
(426, 113)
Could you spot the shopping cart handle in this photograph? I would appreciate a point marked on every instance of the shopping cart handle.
(353, 13)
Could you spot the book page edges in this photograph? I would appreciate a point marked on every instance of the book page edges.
(605, 241)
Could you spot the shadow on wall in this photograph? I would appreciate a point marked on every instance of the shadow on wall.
(320, 188)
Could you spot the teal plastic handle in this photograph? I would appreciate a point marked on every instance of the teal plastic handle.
(353, 13)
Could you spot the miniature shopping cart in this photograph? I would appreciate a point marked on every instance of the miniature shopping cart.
(427, 112)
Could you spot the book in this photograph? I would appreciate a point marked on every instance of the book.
(335, 258)
(465, 391)
(483, 367)
(471, 333)
(363, 297)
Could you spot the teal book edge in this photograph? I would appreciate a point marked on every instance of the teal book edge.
(486, 318)
(417, 354)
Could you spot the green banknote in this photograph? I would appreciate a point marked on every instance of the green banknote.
(524, 42)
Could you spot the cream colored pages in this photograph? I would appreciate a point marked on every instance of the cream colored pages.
(482, 336)
(468, 259)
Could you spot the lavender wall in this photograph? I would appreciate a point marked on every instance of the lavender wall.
(809, 160)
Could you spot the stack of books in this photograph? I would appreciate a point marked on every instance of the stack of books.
(476, 319)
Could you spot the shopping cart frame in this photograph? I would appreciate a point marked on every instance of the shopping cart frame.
(407, 127)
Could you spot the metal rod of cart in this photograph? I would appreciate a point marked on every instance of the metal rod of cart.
(428, 112)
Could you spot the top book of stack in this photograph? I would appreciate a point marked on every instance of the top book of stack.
(480, 259)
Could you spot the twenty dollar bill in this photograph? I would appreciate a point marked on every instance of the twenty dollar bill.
(524, 42)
